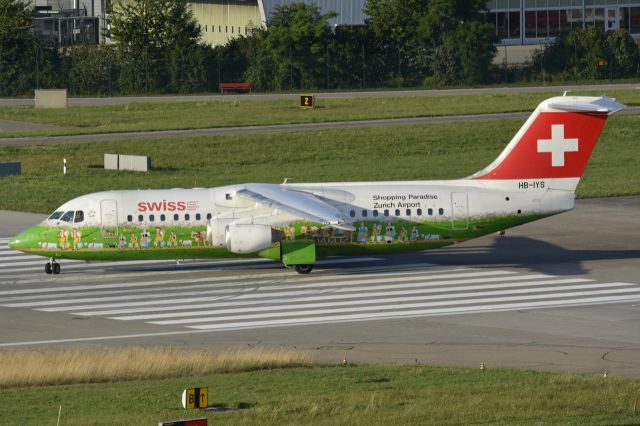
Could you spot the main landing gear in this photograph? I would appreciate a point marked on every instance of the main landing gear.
(303, 269)
(52, 267)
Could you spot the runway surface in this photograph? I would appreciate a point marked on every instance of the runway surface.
(277, 298)
(545, 297)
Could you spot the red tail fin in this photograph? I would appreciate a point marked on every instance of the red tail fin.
(555, 142)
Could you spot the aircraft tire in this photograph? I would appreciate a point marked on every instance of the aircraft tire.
(56, 268)
(303, 269)
(47, 268)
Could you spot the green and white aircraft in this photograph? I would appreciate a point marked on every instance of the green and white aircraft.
(534, 177)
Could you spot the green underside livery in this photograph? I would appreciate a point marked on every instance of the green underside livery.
(370, 237)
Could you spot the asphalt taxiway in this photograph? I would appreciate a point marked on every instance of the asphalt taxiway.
(561, 294)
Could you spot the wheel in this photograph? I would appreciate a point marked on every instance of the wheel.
(47, 268)
(56, 268)
(303, 269)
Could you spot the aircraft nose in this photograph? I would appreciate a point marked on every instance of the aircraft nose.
(17, 241)
(24, 240)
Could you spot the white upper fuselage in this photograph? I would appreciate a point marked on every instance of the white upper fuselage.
(408, 200)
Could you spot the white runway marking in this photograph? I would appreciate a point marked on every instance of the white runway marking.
(206, 296)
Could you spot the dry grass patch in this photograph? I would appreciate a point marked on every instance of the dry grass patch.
(97, 364)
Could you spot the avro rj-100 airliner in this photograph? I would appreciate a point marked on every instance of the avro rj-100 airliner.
(535, 176)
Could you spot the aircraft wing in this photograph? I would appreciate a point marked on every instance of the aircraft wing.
(297, 203)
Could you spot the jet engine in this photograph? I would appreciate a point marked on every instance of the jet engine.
(250, 238)
(216, 232)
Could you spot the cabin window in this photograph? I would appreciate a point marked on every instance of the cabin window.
(408, 212)
(419, 212)
(176, 217)
(228, 197)
(208, 216)
(198, 216)
(375, 213)
(364, 213)
(352, 213)
(79, 216)
(430, 212)
(440, 211)
(386, 212)
(187, 217)
(151, 218)
(162, 218)
(140, 218)
(129, 218)
(55, 215)
(67, 217)
(397, 212)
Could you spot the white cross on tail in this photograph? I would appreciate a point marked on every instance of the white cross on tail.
(557, 145)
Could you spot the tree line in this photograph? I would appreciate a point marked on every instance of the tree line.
(157, 48)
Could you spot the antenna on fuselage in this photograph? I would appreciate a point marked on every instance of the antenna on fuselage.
(285, 180)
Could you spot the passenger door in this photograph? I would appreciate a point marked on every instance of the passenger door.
(459, 211)
(109, 218)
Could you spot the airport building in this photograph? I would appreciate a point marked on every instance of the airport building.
(517, 22)
(69, 22)
(527, 22)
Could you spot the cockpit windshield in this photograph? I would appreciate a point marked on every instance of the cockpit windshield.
(79, 216)
(55, 215)
(67, 217)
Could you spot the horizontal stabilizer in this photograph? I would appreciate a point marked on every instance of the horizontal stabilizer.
(599, 105)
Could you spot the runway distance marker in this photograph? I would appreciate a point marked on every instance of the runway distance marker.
(195, 398)
(307, 101)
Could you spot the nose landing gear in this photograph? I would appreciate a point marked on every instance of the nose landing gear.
(52, 267)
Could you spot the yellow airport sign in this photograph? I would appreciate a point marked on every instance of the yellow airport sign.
(195, 398)
(307, 101)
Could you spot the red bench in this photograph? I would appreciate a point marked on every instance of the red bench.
(235, 86)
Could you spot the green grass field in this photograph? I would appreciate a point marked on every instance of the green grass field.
(192, 115)
(371, 394)
(436, 151)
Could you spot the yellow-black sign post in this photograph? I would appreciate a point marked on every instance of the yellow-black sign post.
(307, 101)
(195, 398)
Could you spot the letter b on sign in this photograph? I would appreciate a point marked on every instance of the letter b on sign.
(195, 398)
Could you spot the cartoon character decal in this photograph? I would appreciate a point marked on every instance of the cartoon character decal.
(199, 237)
(363, 233)
(63, 238)
(159, 239)
(145, 239)
(133, 242)
(76, 238)
(389, 233)
(415, 234)
(375, 233)
(173, 240)
(290, 232)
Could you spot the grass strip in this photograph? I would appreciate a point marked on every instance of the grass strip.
(435, 151)
(336, 395)
(96, 365)
(193, 115)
